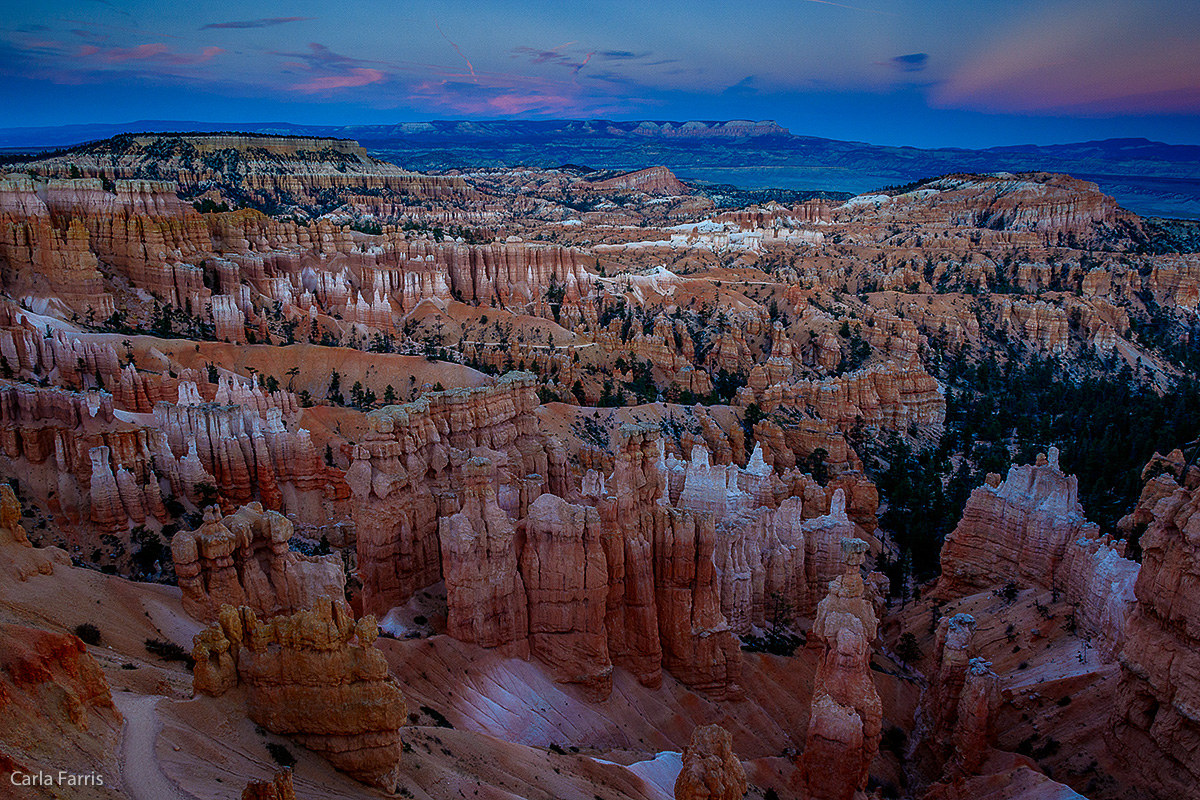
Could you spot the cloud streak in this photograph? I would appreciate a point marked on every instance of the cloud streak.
(253, 23)
(154, 52)
(360, 76)
(913, 62)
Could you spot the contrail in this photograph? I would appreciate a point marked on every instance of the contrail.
(583, 63)
(460, 52)
(852, 8)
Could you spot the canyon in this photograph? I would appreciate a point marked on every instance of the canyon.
(572, 483)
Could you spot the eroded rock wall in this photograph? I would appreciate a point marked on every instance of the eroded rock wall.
(315, 676)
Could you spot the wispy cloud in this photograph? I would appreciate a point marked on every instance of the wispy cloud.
(255, 23)
(851, 8)
(156, 52)
(359, 76)
(913, 62)
(556, 56)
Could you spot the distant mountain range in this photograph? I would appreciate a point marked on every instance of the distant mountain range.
(1150, 178)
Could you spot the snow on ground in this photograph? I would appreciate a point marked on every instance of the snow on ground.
(866, 200)
(660, 772)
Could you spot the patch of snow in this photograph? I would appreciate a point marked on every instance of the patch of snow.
(866, 200)
(660, 772)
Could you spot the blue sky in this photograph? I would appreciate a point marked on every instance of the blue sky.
(918, 72)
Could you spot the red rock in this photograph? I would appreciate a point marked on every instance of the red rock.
(315, 676)
(566, 581)
(710, 769)
(1155, 726)
(1031, 530)
(958, 707)
(278, 788)
(244, 559)
(56, 706)
(484, 590)
(847, 716)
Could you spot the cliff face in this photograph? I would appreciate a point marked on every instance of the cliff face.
(566, 577)
(653, 180)
(409, 471)
(107, 474)
(315, 676)
(1155, 725)
(890, 395)
(1031, 530)
(484, 590)
(244, 560)
(1043, 204)
(958, 707)
(283, 171)
(623, 578)
(777, 536)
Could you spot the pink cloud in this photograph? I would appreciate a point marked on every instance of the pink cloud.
(147, 52)
(356, 77)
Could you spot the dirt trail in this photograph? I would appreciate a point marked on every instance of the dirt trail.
(140, 773)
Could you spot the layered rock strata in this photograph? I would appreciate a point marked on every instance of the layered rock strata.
(408, 472)
(1155, 726)
(958, 706)
(847, 715)
(484, 591)
(278, 788)
(56, 705)
(315, 676)
(1030, 529)
(710, 769)
(566, 578)
(243, 559)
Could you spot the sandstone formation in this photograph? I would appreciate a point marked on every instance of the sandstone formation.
(20, 556)
(315, 676)
(891, 395)
(652, 180)
(1031, 530)
(55, 702)
(1048, 206)
(243, 559)
(484, 590)
(710, 769)
(847, 717)
(958, 706)
(278, 788)
(663, 406)
(1155, 726)
(566, 579)
(406, 471)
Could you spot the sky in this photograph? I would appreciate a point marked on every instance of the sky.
(902, 72)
